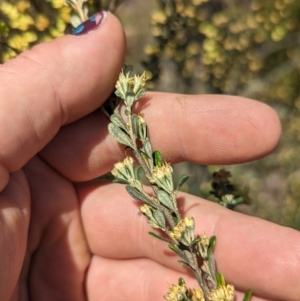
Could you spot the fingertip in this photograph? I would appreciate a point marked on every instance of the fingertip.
(271, 126)
(211, 129)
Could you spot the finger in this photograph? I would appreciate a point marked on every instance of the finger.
(14, 220)
(150, 282)
(54, 84)
(202, 129)
(250, 252)
(57, 253)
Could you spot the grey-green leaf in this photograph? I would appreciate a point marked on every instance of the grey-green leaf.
(184, 263)
(182, 180)
(175, 249)
(165, 199)
(139, 173)
(119, 135)
(147, 148)
(159, 218)
(137, 195)
(117, 120)
(121, 181)
(140, 93)
(135, 124)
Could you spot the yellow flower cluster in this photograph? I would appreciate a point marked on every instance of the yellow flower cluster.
(124, 170)
(176, 292)
(196, 294)
(130, 88)
(27, 26)
(162, 177)
(180, 292)
(184, 231)
(222, 293)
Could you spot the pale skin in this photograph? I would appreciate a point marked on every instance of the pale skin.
(87, 241)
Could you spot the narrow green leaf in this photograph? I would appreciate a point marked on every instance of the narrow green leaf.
(184, 263)
(196, 240)
(165, 199)
(121, 181)
(175, 249)
(157, 158)
(147, 148)
(248, 295)
(119, 135)
(139, 173)
(135, 124)
(117, 120)
(159, 237)
(211, 246)
(159, 218)
(220, 279)
(182, 180)
(137, 195)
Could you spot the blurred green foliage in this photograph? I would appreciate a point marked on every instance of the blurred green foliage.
(25, 23)
(248, 48)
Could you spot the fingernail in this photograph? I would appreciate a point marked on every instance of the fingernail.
(91, 24)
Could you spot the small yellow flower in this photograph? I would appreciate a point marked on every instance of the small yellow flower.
(222, 293)
(18, 42)
(189, 222)
(139, 82)
(196, 294)
(9, 10)
(175, 234)
(145, 209)
(176, 292)
(22, 22)
(162, 177)
(202, 246)
(204, 240)
(65, 14)
(178, 231)
(122, 85)
(41, 22)
(30, 36)
(22, 5)
(130, 88)
(57, 3)
(124, 170)
(183, 231)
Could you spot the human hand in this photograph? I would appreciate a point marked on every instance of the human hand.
(65, 241)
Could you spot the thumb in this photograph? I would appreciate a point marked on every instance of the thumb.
(54, 84)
